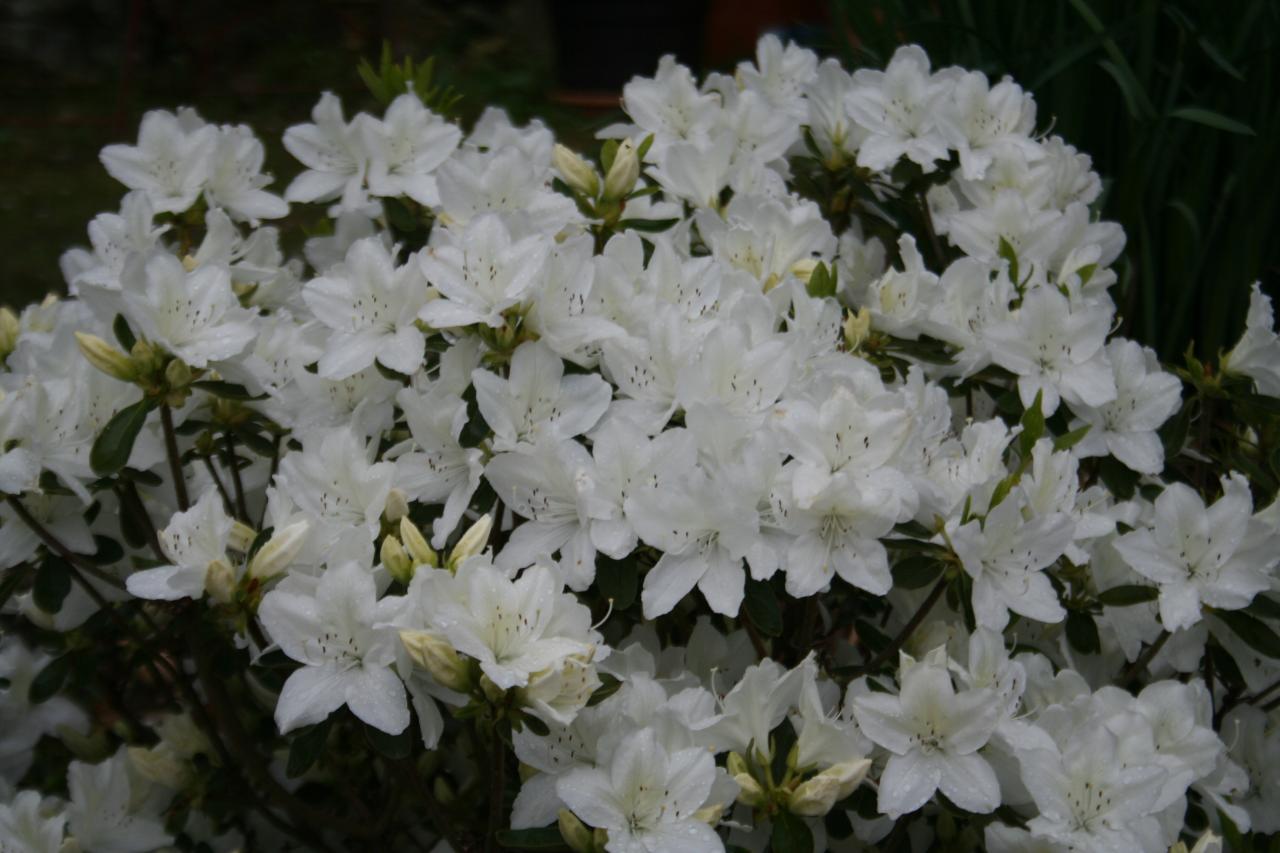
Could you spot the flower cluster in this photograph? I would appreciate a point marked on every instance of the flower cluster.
(775, 482)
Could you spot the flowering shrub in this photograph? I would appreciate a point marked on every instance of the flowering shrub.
(774, 482)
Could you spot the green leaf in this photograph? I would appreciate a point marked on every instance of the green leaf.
(535, 725)
(790, 834)
(543, 838)
(618, 580)
(306, 747)
(1032, 426)
(644, 146)
(49, 680)
(1006, 251)
(916, 571)
(52, 583)
(120, 327)
(1082, 632)
(822, 283)
(226, 390)
(1127, 595)
(1265, 607)
(392, 746)
(1256, 633)
(10, 579)
(763, 609)
(113, 445)
(608, 151)
(109, 551)
(608, 686)
(647, 226)
(399, 215)
(1209, 118)
(1066, 441)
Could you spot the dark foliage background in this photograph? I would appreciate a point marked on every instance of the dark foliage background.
(1177, 102)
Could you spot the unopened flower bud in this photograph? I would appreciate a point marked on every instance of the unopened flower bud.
(472, 542)
(736, 764)
(437, 657)
(396, 559)
(710, 815)
(189, 262)
(623, 173)
(856, 328)
(815, 797)
(103, 356)
(280, 551)
(10, 328)
(749, 791)
(159, 765)
(241, 537)
(397, 506)
(177, 374)
(220, 581)
(416, 544)
(803, 269)
(575, 833)
(575, 171)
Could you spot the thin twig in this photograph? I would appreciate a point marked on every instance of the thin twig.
(242, 508)
(914, 622)
(175, 459)
(1145, 658)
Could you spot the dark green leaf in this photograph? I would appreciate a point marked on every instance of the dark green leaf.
(120, 326)
(1255, 633)
(226, 390)
(647, 226)
(53, 582)
(1032, 426)
(306, 747)
(109, 551)
(111, 449)
(10, 579)
(608, 151)
(544, 838)
(822, 282)
(762, 608)
(399, 215)
(49, 680)
(916, 571)
(608, 686)
(790, 834)
(1265, 607)
(1066, 441)
(392, 746)
(618, 580)
(535, 725)
(1127, 596)
(1209, 118)
(1082, 632)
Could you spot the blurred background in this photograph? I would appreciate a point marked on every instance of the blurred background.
(1177, 102)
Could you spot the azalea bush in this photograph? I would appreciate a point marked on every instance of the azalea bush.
(769, 478)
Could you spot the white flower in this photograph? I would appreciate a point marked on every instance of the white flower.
(27, 827)
(513, 628)
(170, 163)
(194, 315)
(1201, 555)
(646, 797)
(1056, 348)
(103, 815)
(332, 480)
(236, 180)
(346, 659)
(757, 705)
(1006, 555)
(537, 401)
(333, 152)
(1087, 797)
(933, 735)
(898, 108)
(21, 723)
(480, 273)
(194, 541)
(437, 468)
(1145, 398)
(371, 305)
(406, 147)
(1257, 355)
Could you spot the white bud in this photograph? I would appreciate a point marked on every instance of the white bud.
(815, 797)
(437, 657)
(397, 506)
(220, 581)
(416, 544)
(280, 551)
(241, 537)
(472, 542)
(623, 173)
(396, 559)
(575, 171)
(105, 357)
